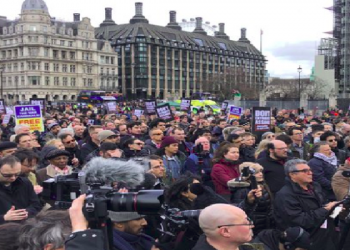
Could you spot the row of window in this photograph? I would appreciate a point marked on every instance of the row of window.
(36, 81)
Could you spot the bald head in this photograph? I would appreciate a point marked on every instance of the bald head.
(345, 129)
(279, 150)
(219, 214)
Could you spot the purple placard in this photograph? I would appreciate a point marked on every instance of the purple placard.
(28, 111)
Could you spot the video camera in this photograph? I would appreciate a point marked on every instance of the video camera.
(248, 175)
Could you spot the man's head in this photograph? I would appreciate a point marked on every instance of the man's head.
(178, 134)
(76, 122)
(79, 130)
(330, 138)
(28, 160)
(345, 129)
(93, 132)
(128, 222)
(204, 142)
(298, 171)
(144, 128)
(235, 139)
(109, 125)
(156, 135)
(278, 150)
(222, 123)
(10, 169)
(123, 130)
(156, 166)
(108, 136)
(296, 134)
(327, 126)
(68, 141)
(158, 123)
(24, 141)
(248, 139)
(134, 128)
(7, 148)
(226, 226)
(54, 128)
(22, 129)
(134, 144)
(58, 158)
(322, 148)
(108, 150)
(317, 131)
(205, 133)
(289, 125)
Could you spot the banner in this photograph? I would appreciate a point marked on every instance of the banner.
(2, 107)
(30, 115)
(261, 119)
(139, 112)
(6, 119)
(150, 106)
(235, 112)
(111, 107)
(39, 101)
(224, 106)
(185, 104)
(164, 112)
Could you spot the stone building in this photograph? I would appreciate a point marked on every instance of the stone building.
(166, 62)
(43, 57)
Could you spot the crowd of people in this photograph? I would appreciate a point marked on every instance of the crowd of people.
(279, 190)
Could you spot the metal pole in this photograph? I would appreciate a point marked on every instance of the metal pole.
(1, 87)
(299, 88)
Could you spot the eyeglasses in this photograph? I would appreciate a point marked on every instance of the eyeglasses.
(73, 140)
(10, 175)
(250, 223)
(305, 171)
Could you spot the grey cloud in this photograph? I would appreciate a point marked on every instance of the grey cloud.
(302, 51)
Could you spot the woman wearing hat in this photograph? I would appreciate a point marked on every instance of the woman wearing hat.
(58, 166)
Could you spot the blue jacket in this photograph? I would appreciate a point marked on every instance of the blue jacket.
(191, 164)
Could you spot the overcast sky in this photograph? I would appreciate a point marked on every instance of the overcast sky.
(292, 28)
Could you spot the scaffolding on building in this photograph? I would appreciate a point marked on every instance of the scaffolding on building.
(328, 48)
(337, 34)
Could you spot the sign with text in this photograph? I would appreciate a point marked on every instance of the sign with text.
(261, 119)
(30, 115)
(6, 119)
(139, 112)
(150, 106)
(9, 111)
(224, 106)
(185, 104)
(235, 112)
(39, 101)
(164, 112)
(111, 107)
(2, 106)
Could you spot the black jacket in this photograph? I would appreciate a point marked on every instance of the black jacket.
(273, 172)
(341, 155)
(150, 146)
(295, 207)
(202, 244)
(74, 153)
(85, 240)
(21, 195)
(87, 148)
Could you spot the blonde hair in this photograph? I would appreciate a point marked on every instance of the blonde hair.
(261, 147)
(53, 142)
(253, 165)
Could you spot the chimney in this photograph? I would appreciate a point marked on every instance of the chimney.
(138, 18)
(221, 33)
(108, 13)
(108, 18)
(138, 9)
(173, 24)
(76, 17)
(199, 28)
(243, 38)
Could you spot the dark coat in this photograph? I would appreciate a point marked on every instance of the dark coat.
(295, 207)
(74, 153)
(247, 154)
(87, 148)
(150, 146)
(21, 195)
(306, 151)
(273, 172)
(322, 173)
(126, 241)
(222, 172)
(341, 155)
(202, 244)
(91, 239)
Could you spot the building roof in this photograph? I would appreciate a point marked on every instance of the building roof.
(34, 5)
(149, 31)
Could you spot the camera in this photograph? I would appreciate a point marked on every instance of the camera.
(248, 175)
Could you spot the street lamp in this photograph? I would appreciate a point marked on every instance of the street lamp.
(1, 87)
(299, 71)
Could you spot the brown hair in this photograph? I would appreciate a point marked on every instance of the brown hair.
(221, 151)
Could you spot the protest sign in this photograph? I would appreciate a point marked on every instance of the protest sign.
(185, 104)
(2, 106)
(224, 106)
(6, 119)
(150, 106)
(164, 112)
(139, 112)
(9, 111)
(261, 119)
(235, 112)
(111, 107)
(30, 115)
(39, 101)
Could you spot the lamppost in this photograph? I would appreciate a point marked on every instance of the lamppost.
(1, 86)
(299, 71)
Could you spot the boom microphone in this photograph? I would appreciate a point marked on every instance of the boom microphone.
(238, 183)
(109, 172)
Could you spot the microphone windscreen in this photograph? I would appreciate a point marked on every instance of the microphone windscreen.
(238, 184)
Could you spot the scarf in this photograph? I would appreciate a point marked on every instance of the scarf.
(125, 241)
(331, 160)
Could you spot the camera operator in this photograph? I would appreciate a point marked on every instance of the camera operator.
(18, 199)
(341, 185)
(225, 227)
(300, 202)
(255, 199)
